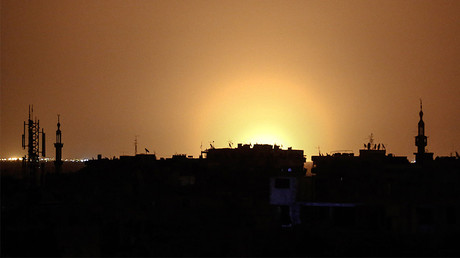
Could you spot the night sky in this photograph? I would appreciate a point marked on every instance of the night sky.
(181, 74)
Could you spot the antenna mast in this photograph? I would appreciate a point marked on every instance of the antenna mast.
(135, 145)
(33, 143)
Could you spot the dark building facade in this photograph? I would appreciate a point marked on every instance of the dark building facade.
(414, 208)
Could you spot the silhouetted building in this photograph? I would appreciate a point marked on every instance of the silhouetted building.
(261, 165)
(271, 157)
(374, 196)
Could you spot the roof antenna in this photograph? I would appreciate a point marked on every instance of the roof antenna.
(135, 144)
(371, 139)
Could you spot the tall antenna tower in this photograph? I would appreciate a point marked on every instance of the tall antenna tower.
(33, 142)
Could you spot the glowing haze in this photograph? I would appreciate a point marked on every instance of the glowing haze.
(182, 74)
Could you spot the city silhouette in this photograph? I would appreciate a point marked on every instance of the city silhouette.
(248, 200)
(229, 128)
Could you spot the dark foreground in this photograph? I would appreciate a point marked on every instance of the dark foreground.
(127, 210)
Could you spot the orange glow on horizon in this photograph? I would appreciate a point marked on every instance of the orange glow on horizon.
(262, 111)
(308, 75)
(266, 134)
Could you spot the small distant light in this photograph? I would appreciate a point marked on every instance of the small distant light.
(289, 169)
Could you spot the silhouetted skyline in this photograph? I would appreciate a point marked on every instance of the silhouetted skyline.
(181, 75)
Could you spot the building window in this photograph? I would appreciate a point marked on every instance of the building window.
(282, 183)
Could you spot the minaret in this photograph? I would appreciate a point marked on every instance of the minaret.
(58, 145)
(421, 140)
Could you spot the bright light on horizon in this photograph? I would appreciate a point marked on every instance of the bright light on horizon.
(45, 159)
(266, 134)
(11, 159)
(263, 111)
